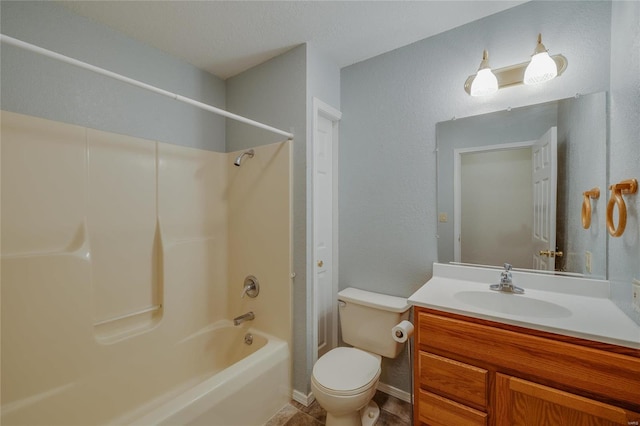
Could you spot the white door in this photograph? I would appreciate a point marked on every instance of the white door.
(545, 179)
(324, 211)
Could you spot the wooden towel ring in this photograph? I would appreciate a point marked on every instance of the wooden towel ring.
(586, 205)
(629, 186)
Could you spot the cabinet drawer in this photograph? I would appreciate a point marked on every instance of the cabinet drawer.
(456, 380)
(438, 411)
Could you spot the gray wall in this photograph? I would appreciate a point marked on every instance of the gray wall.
(42, 87)
(323, 78)
(274, 93)
(624, 147)
(582, 148)
(390, 107)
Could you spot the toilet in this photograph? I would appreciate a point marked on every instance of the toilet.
(344, 379)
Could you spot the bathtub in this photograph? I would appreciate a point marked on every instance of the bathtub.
(249, 384)
(209, 378)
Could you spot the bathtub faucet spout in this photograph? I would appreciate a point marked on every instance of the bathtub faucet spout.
(249, 316)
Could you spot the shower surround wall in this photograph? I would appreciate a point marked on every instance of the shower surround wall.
(114, 250)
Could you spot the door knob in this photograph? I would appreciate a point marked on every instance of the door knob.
(549, 253)
(320, 263)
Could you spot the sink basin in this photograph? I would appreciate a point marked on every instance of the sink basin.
(512, 304)
(568, 306)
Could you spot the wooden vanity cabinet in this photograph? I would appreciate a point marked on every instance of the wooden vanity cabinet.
(476, 372)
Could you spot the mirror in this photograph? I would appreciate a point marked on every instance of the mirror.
(487, 211)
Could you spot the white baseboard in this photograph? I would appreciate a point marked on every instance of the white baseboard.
(303, 399)
(393, 391)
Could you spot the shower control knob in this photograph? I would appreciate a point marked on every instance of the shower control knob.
(251, 287)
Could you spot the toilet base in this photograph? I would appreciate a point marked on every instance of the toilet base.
(366, 416)
(369, 414)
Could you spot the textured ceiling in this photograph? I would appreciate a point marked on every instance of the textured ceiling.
(228, 37)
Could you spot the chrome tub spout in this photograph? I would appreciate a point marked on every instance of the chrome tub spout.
(249, 316)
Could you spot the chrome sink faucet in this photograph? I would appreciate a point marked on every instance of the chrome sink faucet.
(506, 282)
(249, 316)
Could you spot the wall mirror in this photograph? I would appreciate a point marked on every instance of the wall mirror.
(501, 177)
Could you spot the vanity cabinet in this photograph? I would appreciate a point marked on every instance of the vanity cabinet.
(475, 372)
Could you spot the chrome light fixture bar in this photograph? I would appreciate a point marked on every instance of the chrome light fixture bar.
(538, 70)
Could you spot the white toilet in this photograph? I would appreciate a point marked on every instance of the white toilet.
(344, 380)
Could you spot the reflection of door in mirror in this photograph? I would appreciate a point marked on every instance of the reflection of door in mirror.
(505, 203)
(545, 188)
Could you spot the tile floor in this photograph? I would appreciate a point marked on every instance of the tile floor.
(393, 412)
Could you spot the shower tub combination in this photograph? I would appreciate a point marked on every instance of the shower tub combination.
(115, 304)
(117, 270)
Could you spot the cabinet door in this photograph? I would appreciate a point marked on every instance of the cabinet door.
(520, 402)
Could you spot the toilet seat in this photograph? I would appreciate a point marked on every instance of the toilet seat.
(346, 371)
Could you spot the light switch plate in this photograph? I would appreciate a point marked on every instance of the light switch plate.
(587, 261)
(635, 301)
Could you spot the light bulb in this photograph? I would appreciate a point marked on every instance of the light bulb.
(485, 83)
(541, 68)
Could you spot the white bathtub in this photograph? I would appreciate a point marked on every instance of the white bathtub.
(251, 383)
(209, 378)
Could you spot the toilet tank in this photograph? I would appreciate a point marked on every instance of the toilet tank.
(366, 320)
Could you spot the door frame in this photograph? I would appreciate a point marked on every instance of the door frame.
(322, 109)
(457, 186)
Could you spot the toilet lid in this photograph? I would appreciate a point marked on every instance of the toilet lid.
(345, 369)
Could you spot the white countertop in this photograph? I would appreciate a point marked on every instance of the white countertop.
(569, 306)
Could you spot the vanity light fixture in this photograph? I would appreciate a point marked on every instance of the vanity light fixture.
(539, 69)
